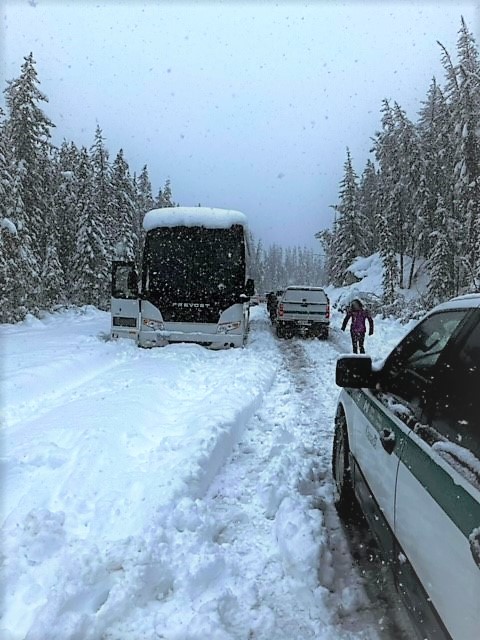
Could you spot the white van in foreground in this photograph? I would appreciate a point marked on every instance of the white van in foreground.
(407, 450)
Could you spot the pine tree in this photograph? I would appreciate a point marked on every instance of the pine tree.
(415, 189)
(52, 279)
(368, 195)
(144, 203)
(16, 258)
(326, 238)
(435, 138)
(348, 240)
(389, 258)
(8, 234)
(258, 265)
(90, 262)
(463, 94)
(441, 263)
(65, 205)
(468, 167)
(28, 133)
(5, 177)
(391, 148)
(103, 232)
(164, 198)
(123, 207)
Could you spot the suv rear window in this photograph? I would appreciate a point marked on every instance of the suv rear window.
(310, 295)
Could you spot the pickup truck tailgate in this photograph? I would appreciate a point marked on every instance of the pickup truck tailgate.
(304, 311)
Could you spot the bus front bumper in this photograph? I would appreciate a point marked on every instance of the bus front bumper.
(209, 336)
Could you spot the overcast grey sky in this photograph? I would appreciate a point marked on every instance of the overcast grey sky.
(243, 105)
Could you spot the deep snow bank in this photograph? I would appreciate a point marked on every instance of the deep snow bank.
(103, 442)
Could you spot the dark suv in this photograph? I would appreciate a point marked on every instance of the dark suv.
(407, 449)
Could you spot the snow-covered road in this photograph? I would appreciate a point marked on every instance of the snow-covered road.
(174, 493)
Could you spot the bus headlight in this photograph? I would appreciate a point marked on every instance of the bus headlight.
(156, 325)
(225, 327)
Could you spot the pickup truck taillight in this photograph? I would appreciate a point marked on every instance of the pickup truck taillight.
(327, 312)
(280, 309)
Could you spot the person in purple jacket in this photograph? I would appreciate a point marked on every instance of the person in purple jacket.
(358, 328)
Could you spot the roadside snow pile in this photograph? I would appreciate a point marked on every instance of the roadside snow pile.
(367, 285)
(106, 449)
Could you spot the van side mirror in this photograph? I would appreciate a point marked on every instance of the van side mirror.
(355, 372)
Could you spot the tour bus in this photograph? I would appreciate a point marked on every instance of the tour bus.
(194, 281)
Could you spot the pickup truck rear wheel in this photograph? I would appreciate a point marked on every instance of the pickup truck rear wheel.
(345, 500)
(289, 332)
(323, 335)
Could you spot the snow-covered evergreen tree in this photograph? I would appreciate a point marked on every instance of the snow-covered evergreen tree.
(326, 237)
(348, 241)
(123, 207)
(144, 202)
(28, 134)
(90, 263)
(368, 198)
(52, 279)
(425, 190)
(5, 177)
(164, 197)
(442, 258)
(390, 155)
(17, 262)
(415, 190)
(388, 254)
(104, 232)
(435, 139)
(462, 92)
(467, 169)
(65, 204)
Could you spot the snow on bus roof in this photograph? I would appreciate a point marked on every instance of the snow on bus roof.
(193, 217)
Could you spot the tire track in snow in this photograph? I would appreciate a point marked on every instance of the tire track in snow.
(264, 553)
(354, 541)
(287, 569)
(78, 385)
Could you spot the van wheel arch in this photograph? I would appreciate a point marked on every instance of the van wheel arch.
(345, 501)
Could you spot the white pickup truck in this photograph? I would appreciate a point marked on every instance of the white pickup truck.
(303, 310)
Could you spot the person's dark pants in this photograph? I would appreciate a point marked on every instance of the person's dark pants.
(358, 341)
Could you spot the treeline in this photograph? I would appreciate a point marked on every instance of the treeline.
(276, 267)
(420, 199)
(63, 211)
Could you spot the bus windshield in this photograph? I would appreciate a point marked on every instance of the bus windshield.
(194, 264)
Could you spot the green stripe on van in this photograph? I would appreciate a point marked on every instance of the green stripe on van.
(456, 502)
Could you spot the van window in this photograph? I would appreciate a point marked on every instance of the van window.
(458, 404)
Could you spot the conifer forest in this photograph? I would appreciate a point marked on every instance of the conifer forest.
(65, 209)
(419, 199)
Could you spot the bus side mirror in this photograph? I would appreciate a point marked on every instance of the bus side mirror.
(250, 287)
(132, 283)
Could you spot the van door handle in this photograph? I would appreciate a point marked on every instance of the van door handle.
(475, 546)
(388, 440)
